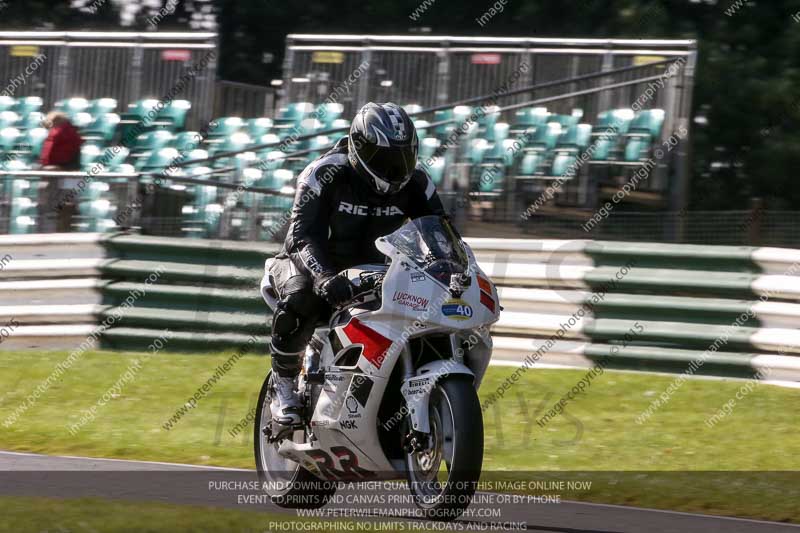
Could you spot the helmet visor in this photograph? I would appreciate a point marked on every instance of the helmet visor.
(393, 164)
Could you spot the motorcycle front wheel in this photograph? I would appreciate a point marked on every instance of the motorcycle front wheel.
(443, 478)
(287, 482)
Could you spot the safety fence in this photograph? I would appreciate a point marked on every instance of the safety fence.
(719, 310)
(436, 69)
(126, 66)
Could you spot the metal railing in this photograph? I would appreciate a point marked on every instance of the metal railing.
(126, 66)
(596, 85)
(243, 215)
(437, 69)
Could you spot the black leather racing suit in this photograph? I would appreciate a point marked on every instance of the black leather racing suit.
(335, 220)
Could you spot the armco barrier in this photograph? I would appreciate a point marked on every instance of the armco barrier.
(577, 303)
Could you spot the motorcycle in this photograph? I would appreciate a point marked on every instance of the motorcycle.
(390, 382)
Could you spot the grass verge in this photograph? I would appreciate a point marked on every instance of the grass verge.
(660, 463)
(88, 515)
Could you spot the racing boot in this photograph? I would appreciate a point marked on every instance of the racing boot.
(287, 408)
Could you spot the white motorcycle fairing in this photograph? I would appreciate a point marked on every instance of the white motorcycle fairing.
(361, 349)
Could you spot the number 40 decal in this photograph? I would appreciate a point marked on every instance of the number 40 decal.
(348, 463)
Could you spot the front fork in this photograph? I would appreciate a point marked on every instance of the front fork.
(416, 390)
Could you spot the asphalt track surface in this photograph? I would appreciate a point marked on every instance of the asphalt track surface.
(24, 474)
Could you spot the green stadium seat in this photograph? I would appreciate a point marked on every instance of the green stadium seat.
(145, 114)
(202, 215)
(175, 113)
(511, 149)
(616, 120)
(142, 110)
(139, 116)
(22, 194)
(567, 120)
(606, 133)
(275, 179)
(198, 154)
(102, 128)
(150, 142)
(28, 104)
(288, 120)
(230, 143)
(30, 144)
(422, 128)
(30, 121)
(95, 208)
(575, 137)
(340, 123)
(293, 113)
(9, 119)
(637, 149)
(186, 141)
(90, 153)
(538, 151)
(9, 137)
(224, 127)
(532, 164)
(114, 159)
(487, 119)
(427, 147)
(327, 112)
(477, 150)
(456, 117)
(273, 207)
(647, 122)
(644, 129)
(436, 170)
(271, 158)
(23, 210)
(491, 179)
(72, 106)
(266, 155)
(498, 132)
(101, 106)
(570, 146)
(258, 127)
(7, 103)
(544, 138)
(529, 118)
(158, 160)
(81, 120)
(319, 145)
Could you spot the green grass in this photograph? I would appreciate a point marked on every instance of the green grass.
(86, 515)
(598, 434)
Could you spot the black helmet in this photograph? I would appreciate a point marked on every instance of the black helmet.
(383, 146)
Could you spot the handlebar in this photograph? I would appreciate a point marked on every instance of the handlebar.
(369, 283)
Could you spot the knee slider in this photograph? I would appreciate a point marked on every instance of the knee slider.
(303, 303)
(285, 321)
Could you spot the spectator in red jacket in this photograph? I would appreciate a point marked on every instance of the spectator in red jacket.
(62, 148)
(61, 151)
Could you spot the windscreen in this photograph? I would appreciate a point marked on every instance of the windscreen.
(431, 243)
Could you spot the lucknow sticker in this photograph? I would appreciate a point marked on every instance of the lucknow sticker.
(457, 309)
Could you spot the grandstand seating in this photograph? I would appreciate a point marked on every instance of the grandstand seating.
(534, 144)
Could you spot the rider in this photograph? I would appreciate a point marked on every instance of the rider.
(365, 187)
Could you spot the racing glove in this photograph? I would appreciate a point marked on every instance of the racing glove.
(336, 290)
